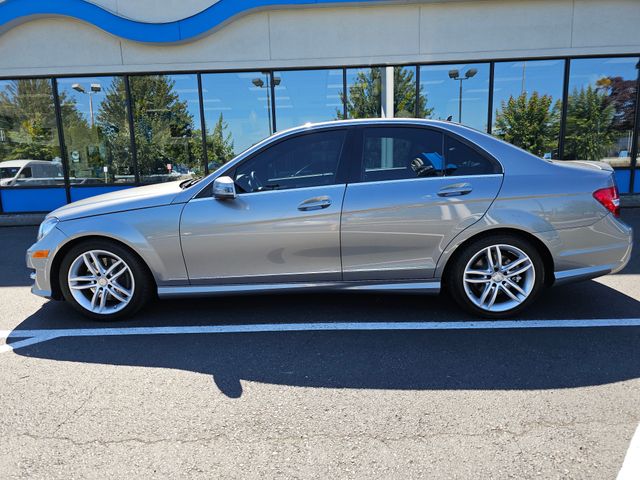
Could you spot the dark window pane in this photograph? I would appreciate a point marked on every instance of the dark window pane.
(363, 93)
(304, 96)
(304, 161)
(601, 110)
(464, 160)
(527, 102)
(166, 117)
(96, 130)
(29, 148)
(400, 153)
(459, 93)
(237, 109)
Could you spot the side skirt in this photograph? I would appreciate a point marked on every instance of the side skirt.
(431, 287)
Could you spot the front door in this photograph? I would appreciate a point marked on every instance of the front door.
(284, 224)
(415, 190)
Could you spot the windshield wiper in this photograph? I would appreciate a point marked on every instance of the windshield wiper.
(189, 183)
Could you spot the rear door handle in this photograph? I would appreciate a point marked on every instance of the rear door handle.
(455, 190)
(315, 203)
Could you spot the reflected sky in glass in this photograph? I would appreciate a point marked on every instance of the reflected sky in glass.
(443, 93)
(307, 96)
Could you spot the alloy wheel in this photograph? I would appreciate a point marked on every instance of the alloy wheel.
(101, 282)
(499, 278)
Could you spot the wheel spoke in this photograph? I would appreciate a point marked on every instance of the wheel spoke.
(96, 262)
(515, 286)
(477, 280)
(515, 263)
(86, 286)
(498, 257)
(494, 295)
(113, 267)
(509, 293)
(88, 263)
(118, 273)
(490, 259)
(112, 291)
(87, 278)
(485, 293)
(121, 289)
(103, 299)
(519, 271)
(95, 297)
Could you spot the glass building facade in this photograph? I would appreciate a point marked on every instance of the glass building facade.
(66, 138)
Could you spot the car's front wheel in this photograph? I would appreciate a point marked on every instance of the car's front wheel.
(496, 276)
(104, 280)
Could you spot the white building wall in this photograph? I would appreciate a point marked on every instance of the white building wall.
(395, 32)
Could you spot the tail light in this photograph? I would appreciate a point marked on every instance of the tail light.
(609, 199)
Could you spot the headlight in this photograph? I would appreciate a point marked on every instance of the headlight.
(46, 227)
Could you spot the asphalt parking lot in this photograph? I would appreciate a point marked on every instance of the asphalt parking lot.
(550, 402)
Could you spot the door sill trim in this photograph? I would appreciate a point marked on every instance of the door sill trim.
(424, 287)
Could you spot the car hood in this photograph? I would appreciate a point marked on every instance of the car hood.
(120, 201)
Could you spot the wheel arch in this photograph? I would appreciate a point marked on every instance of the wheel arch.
(540, 246)
(56, 291)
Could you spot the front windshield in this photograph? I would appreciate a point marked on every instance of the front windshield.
(9, 172)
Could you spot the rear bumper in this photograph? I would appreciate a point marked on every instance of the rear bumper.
(590, 252)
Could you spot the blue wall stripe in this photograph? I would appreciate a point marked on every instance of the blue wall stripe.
(14, 12)
(79, 193)
(21, 200)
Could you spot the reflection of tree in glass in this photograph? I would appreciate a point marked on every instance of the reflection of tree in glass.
(529, 122)
(590, 132)
(162, 123)
(365, 95)
(111, 122)
(219, 145)
(27, 117)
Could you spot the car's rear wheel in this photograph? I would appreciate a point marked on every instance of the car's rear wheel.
(104, 280)
(496, 276)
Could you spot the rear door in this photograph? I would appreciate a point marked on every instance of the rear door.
(413, 190)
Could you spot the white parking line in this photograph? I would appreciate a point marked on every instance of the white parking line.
(631, 467)
(32, 337)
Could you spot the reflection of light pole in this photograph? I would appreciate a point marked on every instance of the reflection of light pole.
(95, 88)
(455, 75)
(258, 82)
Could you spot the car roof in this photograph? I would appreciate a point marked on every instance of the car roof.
(22, 163)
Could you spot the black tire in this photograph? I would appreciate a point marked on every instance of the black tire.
(454, 277)
(144, 283)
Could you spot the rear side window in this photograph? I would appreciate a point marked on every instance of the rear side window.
(461, 159)
(304, 161)
(396, 153)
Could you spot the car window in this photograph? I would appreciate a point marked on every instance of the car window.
(304, 161)
(463, 160)
(396, 153)
(26, 172)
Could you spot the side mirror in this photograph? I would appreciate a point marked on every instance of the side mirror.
(224, 188)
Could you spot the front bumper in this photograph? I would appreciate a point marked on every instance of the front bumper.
(41, 275)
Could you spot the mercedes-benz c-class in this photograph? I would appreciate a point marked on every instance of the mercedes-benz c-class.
(400, 205)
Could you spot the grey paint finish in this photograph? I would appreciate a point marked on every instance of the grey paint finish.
(398, 229)
(388, 232)
(263, 236)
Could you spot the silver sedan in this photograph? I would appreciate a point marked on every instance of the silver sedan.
(371, 205)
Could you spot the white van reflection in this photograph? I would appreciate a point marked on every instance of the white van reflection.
(15, 173)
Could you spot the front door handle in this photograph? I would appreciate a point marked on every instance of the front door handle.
(455, 190)
(315, 203)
